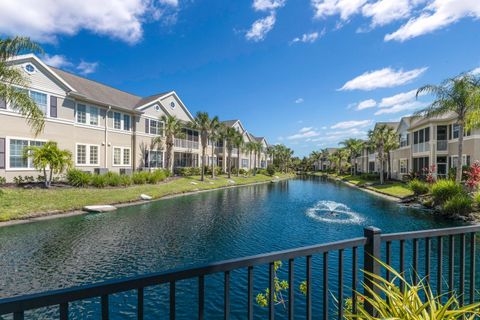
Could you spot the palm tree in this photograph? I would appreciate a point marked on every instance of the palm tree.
(316, 157)
(459, 95)
(270, 151)
(202, 123)
(238, 143)
(173, 128)
(342, 155)
(49, 157)
(230, 135)
(324, 153)
(354, 146)
(283, 156)
(12, 78)
(391, 143)
(250, 148)
(215, 136)
(379, 140)
(333, 159)
(257, 148)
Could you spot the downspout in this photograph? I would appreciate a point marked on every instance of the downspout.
(106, 136)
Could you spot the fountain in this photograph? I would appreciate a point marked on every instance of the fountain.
(333, 212)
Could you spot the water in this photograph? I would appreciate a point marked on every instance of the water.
(193, 230)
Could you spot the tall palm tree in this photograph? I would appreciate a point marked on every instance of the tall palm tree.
(215, 136)
(238, 143)
(324, 153)
(459, 95)
(391, 143)
(257, 148)
(250, 147)
(230, 135)
(12, 78)
(173, 128)
(270, 151)
(315, 157)
(355, 147)
(202, 123)
(379, 139)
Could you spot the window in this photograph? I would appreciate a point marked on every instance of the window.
(121, 156)
(117, 120)
(156, 127)
(421, 136)
(126, 122)
(403, 166)
(465, 161)
(404, 140)
(29, 68)
(87, 154)
(419, 164)
(40, 100)
(244, 163)
(93, 116)
(455, 131)
(17, 159)
(81, 113)
(154, 159)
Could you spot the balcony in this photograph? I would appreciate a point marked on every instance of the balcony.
(186, 144)
(421, 147)
(442, 145)
(372, 157)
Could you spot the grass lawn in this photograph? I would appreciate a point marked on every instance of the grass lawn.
(392, 188)
(18, 203)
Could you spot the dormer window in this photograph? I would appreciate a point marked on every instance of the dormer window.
(29, 68)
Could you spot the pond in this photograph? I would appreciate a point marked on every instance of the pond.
(192, 230)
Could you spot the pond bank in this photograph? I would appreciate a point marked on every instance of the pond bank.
(19, 205)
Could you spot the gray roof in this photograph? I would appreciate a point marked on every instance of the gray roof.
(151, 98)
(229, 123)
(99, 92)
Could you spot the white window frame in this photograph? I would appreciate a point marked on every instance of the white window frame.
(405, 162)
(88, 115)
(453, 161)
(158, 123)
(245, 160)
(87, 155)
(7, 154)
(147, 165)
(122, 153)
(122, 121)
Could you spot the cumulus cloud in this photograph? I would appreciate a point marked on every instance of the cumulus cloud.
(352, 124)
(475, 71)
(57, 61)
(436, 15)
(308, 37)
(407, 106)
(399, 99)
(383, 78)
(344, 8)
(304, 133)
(261, 27)
(365, 104)
(386, 11)
(268, 5)
(339, 135)
(45, 20)
(299, 100)
(87, 67)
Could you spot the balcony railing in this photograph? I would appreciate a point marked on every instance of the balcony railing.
(442, 145)
(186, 144)
(460, 265)
(421, 147)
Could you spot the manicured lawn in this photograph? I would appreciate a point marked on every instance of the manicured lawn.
(18, 203)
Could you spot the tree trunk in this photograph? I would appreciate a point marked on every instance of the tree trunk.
(204, 151)
(255, 163)
(213, 161)
(50, 178)
(352, 169)
(380, 155)
(389, 168)
(229, 169)
(45, 177)
(238, 162)
(458, 176)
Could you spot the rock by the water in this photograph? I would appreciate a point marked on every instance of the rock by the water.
(231, 181)
(101, 208)
(193, 182)
(145, 197)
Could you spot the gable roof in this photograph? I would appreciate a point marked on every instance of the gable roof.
(151, 98)
(230, 123)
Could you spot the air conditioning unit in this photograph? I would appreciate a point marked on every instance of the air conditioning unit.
(100, 170)
(126, 171)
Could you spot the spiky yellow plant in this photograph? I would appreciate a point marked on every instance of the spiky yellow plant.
(415, 302)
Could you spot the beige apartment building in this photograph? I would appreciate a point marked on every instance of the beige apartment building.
(106, 129)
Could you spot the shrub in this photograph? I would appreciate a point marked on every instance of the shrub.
(156, 176)
(188, 171)
(370, 176)
(78, 178)
(473, 175)
(443, 190)
(125, 180)
(418, 187)
(3, 181)
(18, 180)
(476, 197)
(113, 179)
(99, 180)
(40, 178)
(140, 177)
(29, 179)
(270, 170)
(459, 204)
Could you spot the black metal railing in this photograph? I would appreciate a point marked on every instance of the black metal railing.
(373, 245)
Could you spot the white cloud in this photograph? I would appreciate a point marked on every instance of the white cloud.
(45, 20)
(407, 106)
(365, 104)
(304, 133)
(268, 5)
(339, 135)
(299, 100)
(383, 78)
(475, 71)
(87, 67)
(344, 8)
(305, 129)
(57, 61)
(386, 11)
(400, 98)
(437, 15)
(308, 37)
(261, 27)
(351, 124)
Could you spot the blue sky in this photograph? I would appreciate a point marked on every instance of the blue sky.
(306, 73)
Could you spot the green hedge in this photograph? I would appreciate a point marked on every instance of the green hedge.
(443, 190)
(78, 178)
(418, 187)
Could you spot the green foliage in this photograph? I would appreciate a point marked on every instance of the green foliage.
(279, 287)
(99, 180)
(156, 176)
(78, 178)
(459, 204)
(3, 181)
(18, 180)
(188, 171)
(444, 189)
(140, 177)
(418, 187)
(415, 302)
(270, 170)
(125, 180)
(113, 179)
(370, 176)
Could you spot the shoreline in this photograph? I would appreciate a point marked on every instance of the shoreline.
(42, 216)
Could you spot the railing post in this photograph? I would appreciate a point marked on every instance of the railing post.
(370, 264)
